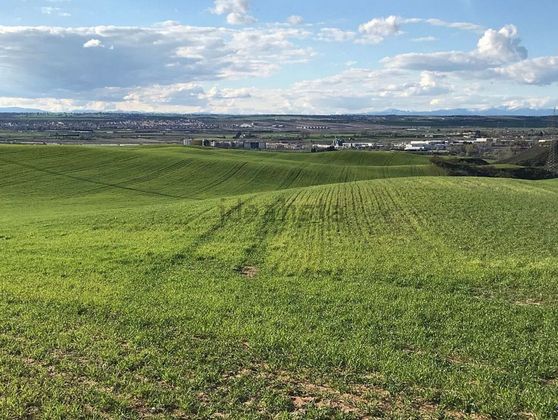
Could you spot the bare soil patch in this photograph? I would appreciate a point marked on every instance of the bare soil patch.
(249, 271)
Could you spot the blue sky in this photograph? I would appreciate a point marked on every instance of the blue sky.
(288, 56)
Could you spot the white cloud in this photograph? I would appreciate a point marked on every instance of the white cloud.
(295, 20)
(425, 39)
(354, 90)
(49, 10)
(438, 61)
(357, 90)
(93, 43)
(46, 61)
(498, 55)
(530, 102)
(335, 35)
(537, 71)
(185, 94)
(503, 46)
(237, 11)
(378, 29)
(493, 49)
(429, 84)
(464, 26)
(171, 67)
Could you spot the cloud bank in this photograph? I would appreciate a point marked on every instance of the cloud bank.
(171, 67)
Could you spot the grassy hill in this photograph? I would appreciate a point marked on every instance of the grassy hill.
(178, 172)
(162, 282)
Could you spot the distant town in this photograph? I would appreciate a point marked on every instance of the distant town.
(486, 137)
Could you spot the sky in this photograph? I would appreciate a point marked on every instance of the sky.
(278, 56)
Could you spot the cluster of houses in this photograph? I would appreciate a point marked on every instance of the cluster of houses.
(248, 144)
(476, 146)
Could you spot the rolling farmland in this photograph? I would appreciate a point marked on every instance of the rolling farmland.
(180, 282)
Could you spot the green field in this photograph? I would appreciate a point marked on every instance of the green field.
(180, 282)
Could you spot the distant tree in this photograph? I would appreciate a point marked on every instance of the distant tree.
(470, 150)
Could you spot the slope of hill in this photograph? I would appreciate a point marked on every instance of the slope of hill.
(535, 156)
(189, 283)
(116, 174)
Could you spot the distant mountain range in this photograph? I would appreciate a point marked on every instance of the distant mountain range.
(491, 112)
(16, 110)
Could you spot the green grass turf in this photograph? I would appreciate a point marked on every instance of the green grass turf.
(178, 282)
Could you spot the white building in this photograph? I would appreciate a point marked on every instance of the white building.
(425, 145)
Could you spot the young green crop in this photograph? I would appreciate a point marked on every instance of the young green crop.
(176, 282)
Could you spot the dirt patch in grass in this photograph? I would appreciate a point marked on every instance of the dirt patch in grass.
(354, 400)
(249, 271)
(549, 381)
(528, 302)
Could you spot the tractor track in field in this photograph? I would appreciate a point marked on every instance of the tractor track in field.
(270, 224)
(209, 233)
(162, 267)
